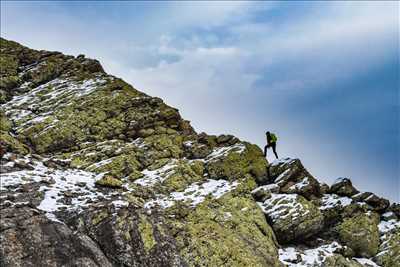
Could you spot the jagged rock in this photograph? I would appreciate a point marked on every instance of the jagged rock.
(377, 203)
(109, 181)
(33, 240)
(195, 150)
(361, 234)
(324, 188)
(262, 193)
(128, 237)
(334, 208)
(292, 177)
(292, 217)
(343, 187)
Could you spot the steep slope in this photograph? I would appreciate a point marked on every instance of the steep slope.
(97, 173)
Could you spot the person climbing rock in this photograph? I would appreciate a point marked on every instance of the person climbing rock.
(271, 142)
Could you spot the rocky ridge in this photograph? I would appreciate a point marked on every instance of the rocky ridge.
(97, 173)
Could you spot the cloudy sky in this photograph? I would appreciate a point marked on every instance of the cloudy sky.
(324, 76)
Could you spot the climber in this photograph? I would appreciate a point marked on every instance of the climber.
(271, 142)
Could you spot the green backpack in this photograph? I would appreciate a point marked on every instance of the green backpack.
(274, 138)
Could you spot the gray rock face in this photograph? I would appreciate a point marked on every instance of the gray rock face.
(30, 239)
(292, 177)
(361, 234)
(377, 203)
(343, 187)
(292, 217)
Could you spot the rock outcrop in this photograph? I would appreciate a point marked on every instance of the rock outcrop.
(97, 173)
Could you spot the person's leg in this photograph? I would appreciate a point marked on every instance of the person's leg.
(274, 149)
(265, 150)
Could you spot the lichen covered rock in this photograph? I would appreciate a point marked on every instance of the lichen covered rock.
(292, 217)
(361, 234)
(109, 181)
(236, 161)
(229, 232)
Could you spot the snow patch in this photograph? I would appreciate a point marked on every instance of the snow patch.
(366, 262)
(330, 201)
(195, 193)
(76, 184)
(282, 161)
(307, 257)
(387, 226)
(156, 176)
(281, 206)
(303, 183)
(224, 151)
(268, 187)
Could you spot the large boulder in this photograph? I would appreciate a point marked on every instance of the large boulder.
(292, 217)
(28, 238)
(361, 234)
(128, 237)
(333, 207)
(377, 203)
(292, 177)
(230, 231)
(236, 161)
(343, 187)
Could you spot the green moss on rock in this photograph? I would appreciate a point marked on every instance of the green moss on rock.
(236, 165)
(231, 231)
(109, 181)
(183, 175)
(146, 233)
(361, 234)
(5, 124)
(119, 166)
(12, 144)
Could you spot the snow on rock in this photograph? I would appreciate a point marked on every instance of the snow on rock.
(151, 177)
(281, 176)
(280, 206)
(195, 193)
(273, 188)
(303, 183)
(388, 226)
(219, 152)
(366, 262)
(120, 203)
(99, 164)
(45, 98)
(388, 214)
(294, 257)
(282, 161)
(78, 185)
(330, 201)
